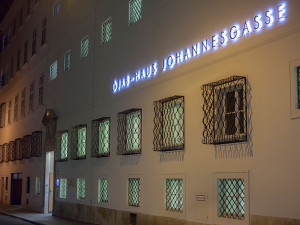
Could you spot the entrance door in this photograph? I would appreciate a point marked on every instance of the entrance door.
(49, 181)
(16, 188)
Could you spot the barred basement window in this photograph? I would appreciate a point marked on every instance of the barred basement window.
(106, 30)
(41, 90)
(16, 107)
(63, 188)
(169, 124)
(56, 8)
(129, 132)
(225, 111)
(23, 102)
(2, 115)
(12, 151)
(19, 155)
(231, 198)
(78, 142)
(33, 47)
(84, 47)
(67, 60)
(26, 146)
(135, 11)
(36, 144)
(31, 96)
(174, 194)
(102, 190)
(44, 30)
(37, 185)
(134, 192)
(5, 153)
(80, 188)
(61, 152)
(53, 70)
(100, 137)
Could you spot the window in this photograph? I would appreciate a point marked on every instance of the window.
(18, 60)
(169, 124)
(129, 132)
(9, 113)
(16, 107)
(106, 30)
(14, 27)
(23, 99)
(28, 8)
(174, 194)
(31, 97)
(2, 114)
(28, 185)
(37, 185)
(80, 188)
(63, 188)
(56, 8)
(100, 137)
(67, 60)
(134, 192)
(295, 88)
(36, 143)
(41, 90)
(84, 50)
(62, 146)
(135, 11)
(78, 141)
(25, 52)
(298, 86)
(12, 67)
(33, 50)
(44, 30)
(102, 190)
(21, 18)
(53, 70)
(225, 111)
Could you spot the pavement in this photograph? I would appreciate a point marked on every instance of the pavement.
(34, 217)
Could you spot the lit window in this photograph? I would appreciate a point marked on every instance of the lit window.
(169, 124)
(37, 185)
(80, 188)
(102, 190)
(53, 70)
(2, 115)
(63, 188)
(174, 194)
(67, 60)
(31, 96)
(78, 141)
(62, 146)
(84, 47)
(56, 8)
(23, 99)
(135, 11)
(134, 192)
(100, 137)
(106, 30)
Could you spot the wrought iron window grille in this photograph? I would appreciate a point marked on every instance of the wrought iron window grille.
(61, 150)
(78, 142)
(12, 151)
(5, 153)
(134, 192)
(101, 137)
(36, 147)
(1, 153)
(231, 198)
(129, 132)
(84, 47)
(63, 188)
(19, 155)
(225, 111)
(80, 188)
(26, 146)
(67, 60)
(135, 11)
(103, 190)
(174, 194)
(2, 115)
(169, 124)
(106, 30)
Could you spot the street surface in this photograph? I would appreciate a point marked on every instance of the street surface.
(7, 220)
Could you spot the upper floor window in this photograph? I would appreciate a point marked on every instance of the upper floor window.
(129, 132)
(135, 11)
(23, 102)
(174, 194)
(41, 90)
(14, 27)
(25, 52)
(169, 124)
(19, 60)
(56, 8)
(12, 67)
(67, 60)
(44, 31)
(61, 152)
(53, 70)
(28, 8)
(100, 137)
(134, 192)
(78, 142)
(21, 18)
(106, 30)
(225, 111)
(31, 96)
(33, 46)
(16, 107)
(2, 115)
(84, 50)
(9, 112)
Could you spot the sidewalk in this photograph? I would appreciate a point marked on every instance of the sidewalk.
(35, 218)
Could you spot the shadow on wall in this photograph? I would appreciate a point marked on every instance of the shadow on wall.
(130, 159)
(172, 156)
(242, 149)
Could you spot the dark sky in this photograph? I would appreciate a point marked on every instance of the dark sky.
(4, 6)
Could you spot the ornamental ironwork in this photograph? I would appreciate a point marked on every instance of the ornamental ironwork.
(19, 148)
(5, 153)
(135, 11)
(78, 142)
(12, 151)
(134, 192)
(225, 111)
(2, 115)
(100, 137)
(61, 150)
(102, 190)
(129, 132)
(26, 146)
(174, 194)
(169, 124)
(36, 147)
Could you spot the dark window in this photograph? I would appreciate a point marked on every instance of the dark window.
(36, 144)
(14, 27)
(44, 30)
(298, 86)
(18, 60)
(28, 8)
(28, 185)
(33, 43)
(25, 52)
(12, 67)
(21, 18)
(6, 183)
(41, 90)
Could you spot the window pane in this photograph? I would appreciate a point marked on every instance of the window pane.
(84, 47)
(135, 11)
(133, 131)
(134, 192)
(106, 30)
(64, 145)
(103, 190)
(81, 141)
(174, 195)
(63, 188)
(81, 188)
(104, 137)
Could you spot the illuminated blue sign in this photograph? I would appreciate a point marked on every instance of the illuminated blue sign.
(268, 18)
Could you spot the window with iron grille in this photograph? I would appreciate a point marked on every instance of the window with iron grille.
(36, 144)
(56, 8)
(5, 153)
(1, 153)
(169, 124)
(12, 67)
(37, 185)
(23, 99)
(19, 155)
(174, 194)
(2, 115)
(26, 146)
(53, 70)
(9, 112)
(25, 52)
(61, 152)
(63, 188)
(12, 151)
(100, 137)
(134, 192)
(41, 90)
(231, 198)
(298, 87)
(28, 8)
(102, 190)
(16, 107)
(135, 11)
(33, 46)
(80, 188)
(18, 60)
(44, 30)
(84, 50)
(67, 60)
(78, 142)
(106, 30)
(129, 132)
(21, 18)
(31, 96)
(225, 111)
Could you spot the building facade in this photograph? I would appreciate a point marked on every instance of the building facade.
(152, 112)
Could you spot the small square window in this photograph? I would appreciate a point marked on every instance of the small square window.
(78, 142)
(37, 185)
(106, 30)
(63, 188)
(100, 137)
(53, 70)
(134, 192)
(103, 190)
(135, 11)
(80, 188)
(84, 51)
(174, 194)
(61, 152)
(67, 60)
